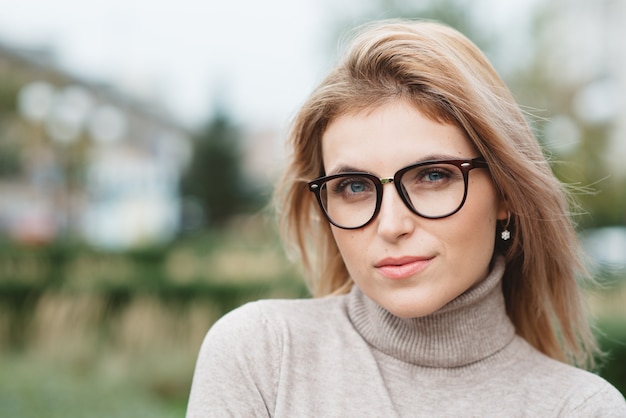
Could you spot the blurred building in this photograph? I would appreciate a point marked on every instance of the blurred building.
(83, 161)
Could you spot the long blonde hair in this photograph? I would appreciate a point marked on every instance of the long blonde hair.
(450, 80)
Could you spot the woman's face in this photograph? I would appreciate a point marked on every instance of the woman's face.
(410, 265)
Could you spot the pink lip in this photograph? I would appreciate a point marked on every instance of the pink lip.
(403, 267)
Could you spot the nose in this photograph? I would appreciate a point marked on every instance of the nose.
(394, 220)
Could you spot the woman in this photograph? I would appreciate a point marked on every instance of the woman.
(451, 291)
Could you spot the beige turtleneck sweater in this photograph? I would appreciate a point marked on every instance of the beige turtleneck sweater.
(345, 356)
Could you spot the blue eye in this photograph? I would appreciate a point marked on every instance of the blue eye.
(353, 186)
(435, 176)
(357, 187)
(431, 175)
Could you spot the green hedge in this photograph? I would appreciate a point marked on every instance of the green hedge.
(28, 274)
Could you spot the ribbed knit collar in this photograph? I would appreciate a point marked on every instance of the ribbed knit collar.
(468, 329)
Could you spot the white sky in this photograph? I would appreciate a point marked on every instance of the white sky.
(262, 57)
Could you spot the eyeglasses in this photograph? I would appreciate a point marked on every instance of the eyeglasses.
(430, 189)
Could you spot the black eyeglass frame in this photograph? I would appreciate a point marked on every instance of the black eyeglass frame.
(465, 165)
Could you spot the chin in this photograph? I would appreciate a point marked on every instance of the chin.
(411, 310)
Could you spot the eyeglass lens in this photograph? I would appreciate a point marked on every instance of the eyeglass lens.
(432, 191)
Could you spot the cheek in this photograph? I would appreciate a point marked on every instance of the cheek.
(351, 246)
(343, 239)
(477, 225)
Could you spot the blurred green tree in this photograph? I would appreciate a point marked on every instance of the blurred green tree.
(8, 97)
(9, 146)
(215, 178)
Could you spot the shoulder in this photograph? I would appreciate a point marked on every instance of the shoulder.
(589, 395)
(578, 393)
(271, 319)
(257, 335)
(240, 360)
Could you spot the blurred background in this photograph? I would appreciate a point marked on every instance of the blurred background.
(139, 144)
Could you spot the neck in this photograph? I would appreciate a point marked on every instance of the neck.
(469, 328)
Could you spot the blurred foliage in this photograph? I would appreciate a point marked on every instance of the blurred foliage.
(34, 388)
(612, 340)
(222, 269)
(8, 96)
(128, 326)
(10, 153)
(543, 91)
(216, 177)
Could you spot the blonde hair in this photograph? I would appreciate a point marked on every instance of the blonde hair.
(448, 78)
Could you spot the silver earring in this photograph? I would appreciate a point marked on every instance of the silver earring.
(506, 234)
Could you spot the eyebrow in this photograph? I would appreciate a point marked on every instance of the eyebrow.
(342, 169)
(346, 169)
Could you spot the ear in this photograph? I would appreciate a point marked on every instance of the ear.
(503, 211)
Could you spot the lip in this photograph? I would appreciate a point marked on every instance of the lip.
(402, 267)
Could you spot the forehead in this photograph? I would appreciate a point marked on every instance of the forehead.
(390, 136)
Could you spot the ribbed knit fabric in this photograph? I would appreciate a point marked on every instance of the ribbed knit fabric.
(346, 356)
(470, 328)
